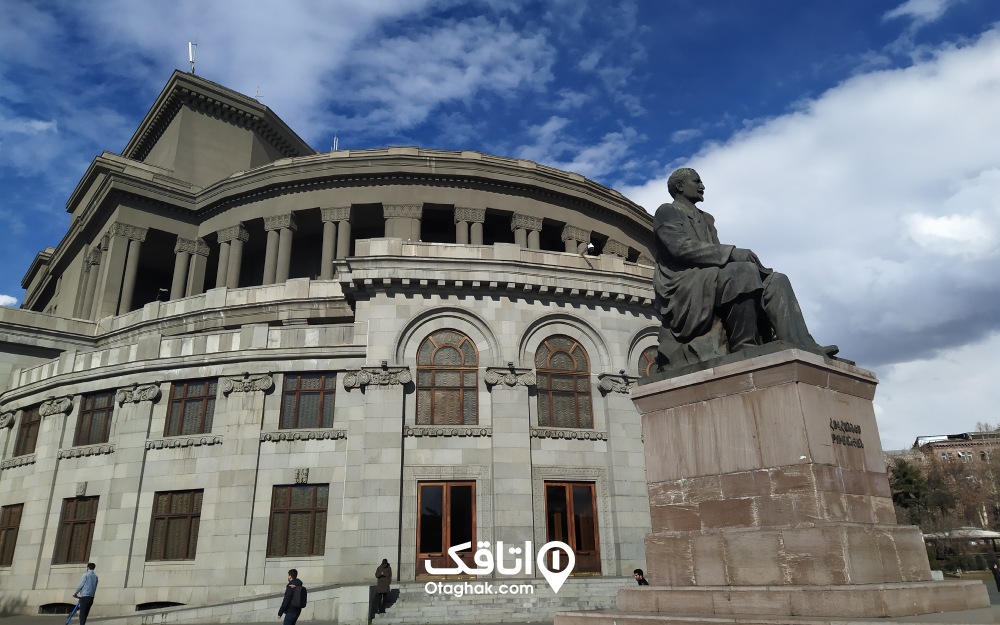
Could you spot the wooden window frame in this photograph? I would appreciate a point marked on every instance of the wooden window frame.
(441, 558)
(90, 414)
(432, 369)
(588, 562)
(281, 506)
(160, 525)
(326, 392)
(10, 523)
(544, 375)
(181, 396)
(75, 525)
(28, 427)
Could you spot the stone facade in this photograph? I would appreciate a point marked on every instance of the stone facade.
(335, 267)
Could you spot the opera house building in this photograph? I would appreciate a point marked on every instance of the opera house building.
(246, 356)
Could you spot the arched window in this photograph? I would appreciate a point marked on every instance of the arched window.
(563, 372)
(647, 361)
(447, 364)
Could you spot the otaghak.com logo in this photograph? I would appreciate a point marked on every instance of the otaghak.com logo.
(487, 561)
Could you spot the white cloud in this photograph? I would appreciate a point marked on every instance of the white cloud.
(7, 300)
(680, 136)
(881, 200)
(920, 11)
(556, 147)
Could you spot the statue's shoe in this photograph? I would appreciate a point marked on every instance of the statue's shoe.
(829, 350)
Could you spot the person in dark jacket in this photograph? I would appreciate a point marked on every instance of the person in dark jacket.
(294, 600)
(640, 577)
(383, 577)
(995, 569)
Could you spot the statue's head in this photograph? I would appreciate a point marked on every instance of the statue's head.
(677, 181)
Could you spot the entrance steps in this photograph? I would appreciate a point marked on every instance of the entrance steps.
(415, 606)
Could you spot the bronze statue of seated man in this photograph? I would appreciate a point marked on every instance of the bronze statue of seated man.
(716, 299)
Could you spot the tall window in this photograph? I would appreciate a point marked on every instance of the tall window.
(563, 374)
(298, 520)
(192, 406)
(10, 521)
(447, 364)
(27, 432)
(76, 530)
(173, 530)
(94, 424)
(647, 361)
(446, 518)
(307, 400)
(571, 517)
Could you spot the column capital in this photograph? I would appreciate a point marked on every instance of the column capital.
(377, 376)
(509, 376)
(572, 233)
(6, 420)
(615, 248)
(277, 222)
(49, 407)
(645, 260)
(615, 383)
(527, 222)
(246, 384)
(94, 257)
(191, 246)
(470, 215)
(135, 233)
(336, 213)
(233, 233)
(138, 393)
(409, 211)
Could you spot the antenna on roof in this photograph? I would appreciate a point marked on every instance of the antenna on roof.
(256, 95)
(335, 143)
(192, 46)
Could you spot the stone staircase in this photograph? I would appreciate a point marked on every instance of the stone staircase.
(415, 606)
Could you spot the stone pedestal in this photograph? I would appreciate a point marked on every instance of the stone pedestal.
(769, 499)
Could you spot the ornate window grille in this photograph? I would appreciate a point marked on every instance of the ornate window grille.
(93, 426)
(10, 522)
(192, 406)
(307, 400)
(27, 432)
(76, 530)
(447, 374)
(173, 529)
(563, 378)
(298, 520)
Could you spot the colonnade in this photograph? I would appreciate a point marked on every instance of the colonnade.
(111, 267)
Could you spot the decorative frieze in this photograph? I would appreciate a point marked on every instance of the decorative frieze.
(6, 420)
(406, 211)
(17, 461)
(51, 407)
(191, 246)
(301, 476)
(527, 222)
(509, 376)
(138, 393)
(572, 233)
(233, 233)
(569, 434)
(246, 384)
(184, 441)
(470, 215)
(277, 222)
(615, 248)
(377, 376)
(422, 431)
(94, 258)
(83, 452)
(135, 233)
(612, 383)
(336, 213)
(303, 435)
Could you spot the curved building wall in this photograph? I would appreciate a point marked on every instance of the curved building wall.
(319, 363)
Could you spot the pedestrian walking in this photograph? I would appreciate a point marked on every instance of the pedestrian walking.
(294, 599)
(383, 577)
(85, 592)
(995, 569)
(640, 577)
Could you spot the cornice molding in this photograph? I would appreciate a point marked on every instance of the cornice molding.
(569, 434)
(82, 452)
(17, 461)
(184, 441)
(303, 435)
(450, 431)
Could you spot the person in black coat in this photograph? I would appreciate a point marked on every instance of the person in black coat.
(640, 577)
(383, 576)
(294, 600)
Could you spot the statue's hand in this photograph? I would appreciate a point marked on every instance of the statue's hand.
(743, 255)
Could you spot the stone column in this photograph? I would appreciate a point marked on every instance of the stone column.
(335, 222)
(575, 239)
(122, 265)
(181, 257)
(102, 258)
(232, 238)
(510, 399)
(285, 235)
(403, 220)
(93, 269)
(469, 221)
(197, 267)
(526, 229)
(271, 251)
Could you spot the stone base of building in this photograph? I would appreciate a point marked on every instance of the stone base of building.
(769, 499)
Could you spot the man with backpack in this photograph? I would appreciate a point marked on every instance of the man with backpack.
(294, 600)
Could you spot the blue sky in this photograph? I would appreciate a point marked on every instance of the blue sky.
(851, 144)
